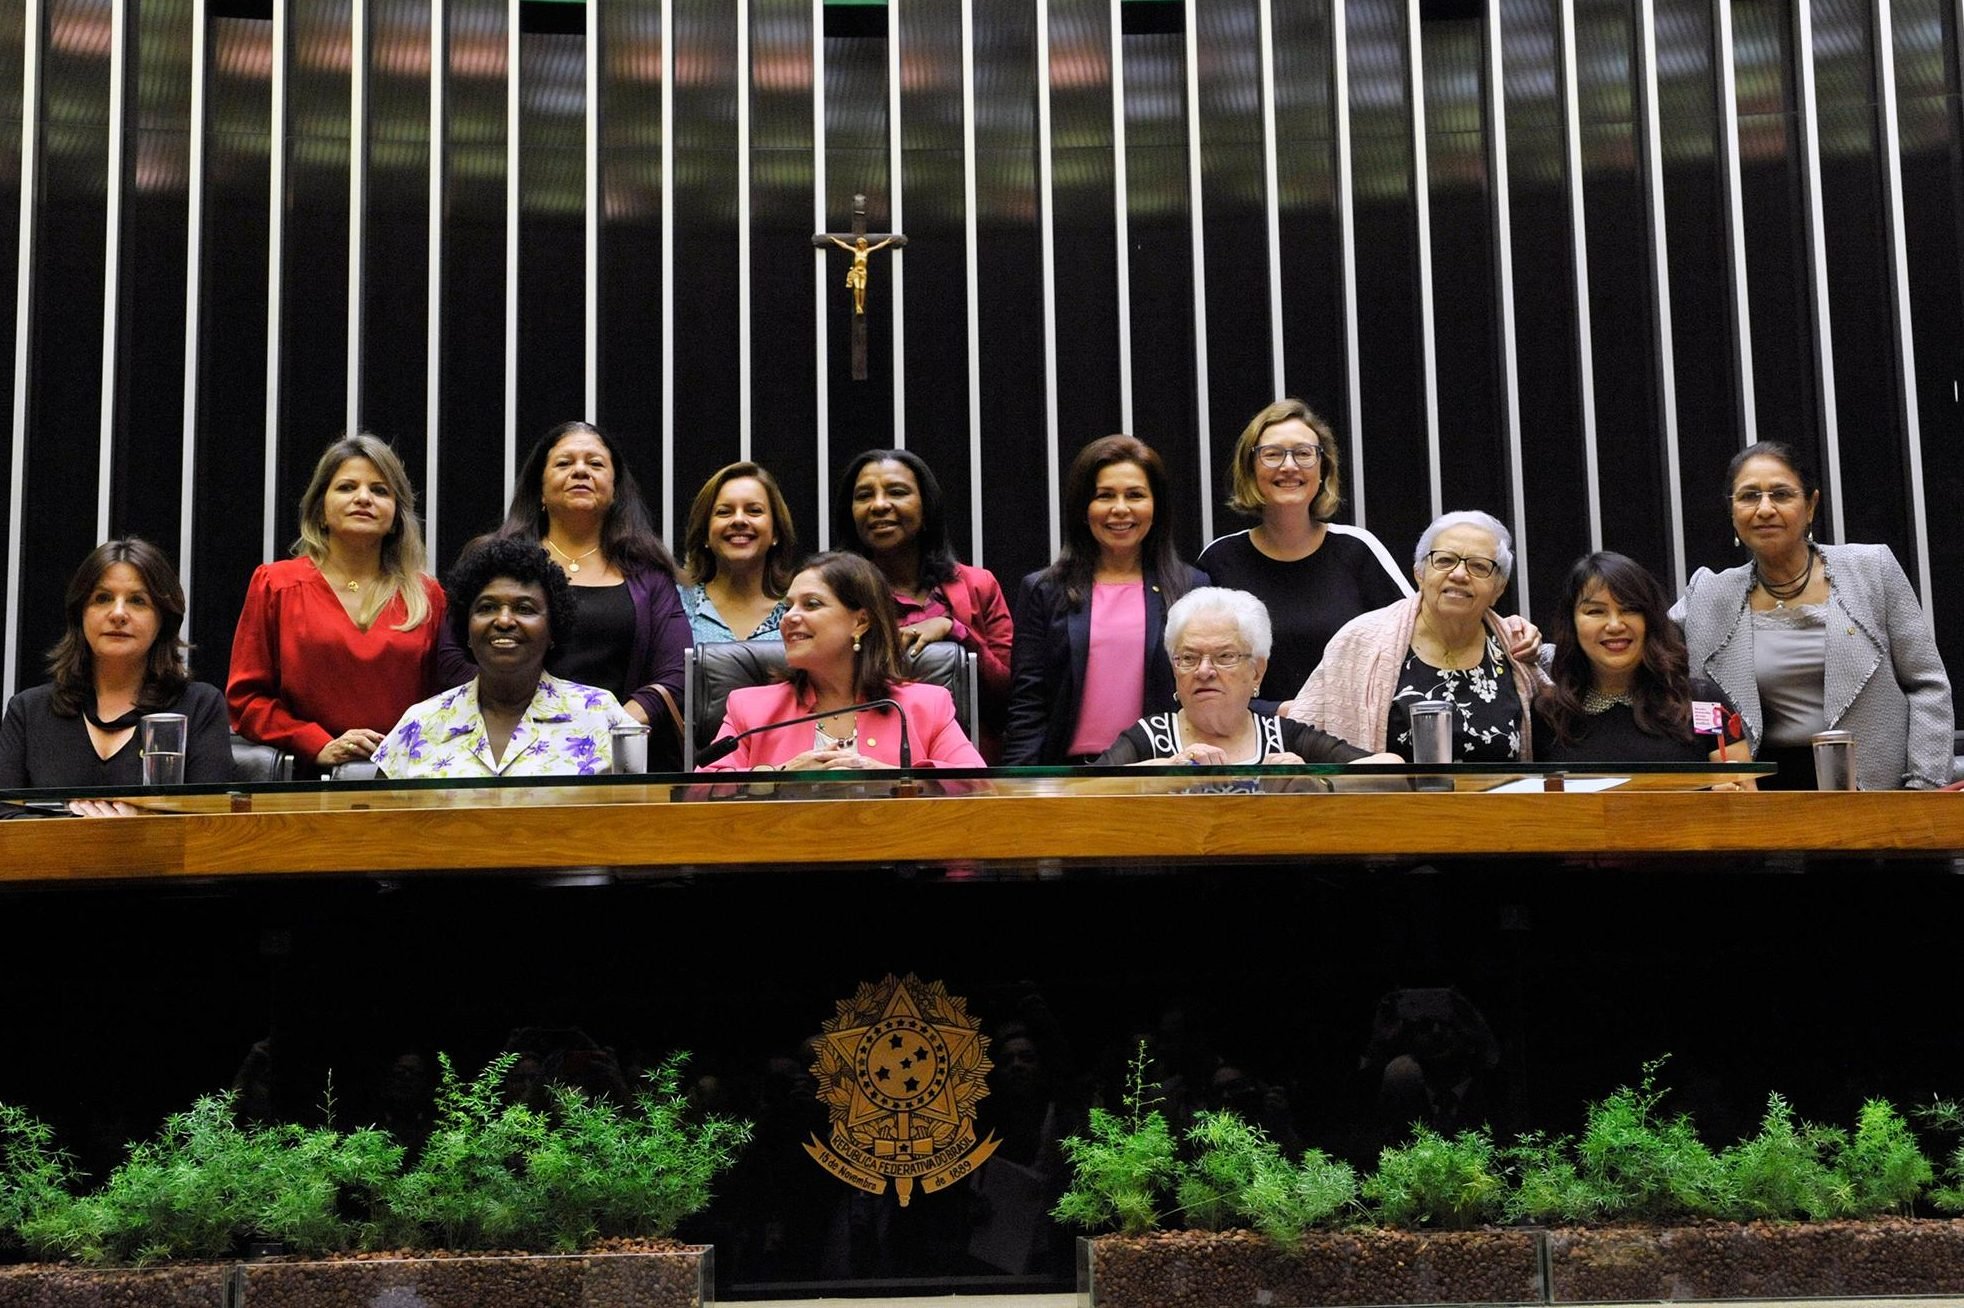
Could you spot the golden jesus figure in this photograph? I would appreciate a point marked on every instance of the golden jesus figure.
(856, 275)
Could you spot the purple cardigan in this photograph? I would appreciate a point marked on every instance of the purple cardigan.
(661, 645)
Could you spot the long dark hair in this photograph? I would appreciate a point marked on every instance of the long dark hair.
(1077, 561)
(1660, 692)
(860, 585)
(627, 535)
(71, 664)
(937, 555)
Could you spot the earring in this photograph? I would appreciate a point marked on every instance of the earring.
(855, 644)
(1810, 533)
(1735, 540)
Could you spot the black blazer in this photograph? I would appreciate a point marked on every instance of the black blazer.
(1046, 666)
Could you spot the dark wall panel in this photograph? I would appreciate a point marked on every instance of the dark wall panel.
(231, 458)
(1082, 207)
(784, 371)
(856, 126)
(1312, 259)
(65, 386)
(13, 31)
(630, 230)
(552, 235)
(471, 378)
(396, 232)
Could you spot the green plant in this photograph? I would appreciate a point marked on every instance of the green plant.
(1882, 1167)
(205, 1184)
(1946, 1117)
(1438, 1180)
(1547, 1187)
(1646, 1166)
(1241, 1174)
(1120, 1171)
(1786, 1170)
(499, 1175)
(36, 1179)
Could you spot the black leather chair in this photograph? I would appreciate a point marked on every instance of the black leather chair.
(713, 671)
(252, 761)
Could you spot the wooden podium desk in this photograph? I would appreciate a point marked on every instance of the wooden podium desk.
(1008, 819)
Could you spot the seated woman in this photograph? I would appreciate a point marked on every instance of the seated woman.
(119, 659)
(889, 508)
(738, 549)
(1623, 690)
(1089, 628)
(334, 643)
(842, 645)
(1443, 643)
(1218, 641)
(509, 605)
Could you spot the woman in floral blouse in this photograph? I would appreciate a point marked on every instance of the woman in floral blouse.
(509, 604)
(1445, 643)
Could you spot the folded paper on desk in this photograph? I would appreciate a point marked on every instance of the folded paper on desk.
(1572, 785)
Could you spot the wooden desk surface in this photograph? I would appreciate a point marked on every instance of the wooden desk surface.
(1068, 829)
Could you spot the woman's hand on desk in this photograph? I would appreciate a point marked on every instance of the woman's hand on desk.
(349, 747)
(103, 808)
(829, 760)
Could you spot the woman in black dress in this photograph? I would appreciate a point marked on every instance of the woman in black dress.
(119, 659)
(1622, 688)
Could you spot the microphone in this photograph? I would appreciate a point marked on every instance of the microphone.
(723, 746)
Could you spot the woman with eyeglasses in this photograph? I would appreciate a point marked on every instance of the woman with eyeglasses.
(1218, 644)
(1807, 638)
(1087, 662)
(1445, 643)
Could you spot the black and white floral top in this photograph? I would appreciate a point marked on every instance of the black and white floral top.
(1487, 707)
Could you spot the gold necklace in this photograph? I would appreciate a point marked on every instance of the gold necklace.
(572, 564)
(350, 585)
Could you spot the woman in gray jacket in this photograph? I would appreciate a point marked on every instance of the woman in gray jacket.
(1808, 637)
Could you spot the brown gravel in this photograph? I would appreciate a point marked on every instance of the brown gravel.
(43, 1285)
(1724, 1260)
(1233, 1269)
(675, 1277)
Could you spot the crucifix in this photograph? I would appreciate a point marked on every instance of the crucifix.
(856, 244)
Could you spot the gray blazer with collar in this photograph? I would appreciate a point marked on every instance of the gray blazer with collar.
(1884, 680)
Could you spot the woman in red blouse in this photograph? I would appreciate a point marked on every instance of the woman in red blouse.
(336, 642)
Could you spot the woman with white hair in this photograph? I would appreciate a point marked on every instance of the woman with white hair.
(1219, 643)
(1445, 643)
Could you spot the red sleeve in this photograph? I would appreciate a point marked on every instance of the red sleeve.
(992, 632)
(252, 692)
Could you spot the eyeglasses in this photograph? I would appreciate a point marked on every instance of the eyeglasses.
(1782, 497)
(1444, 561)
(1225, 661)
(1274, 456)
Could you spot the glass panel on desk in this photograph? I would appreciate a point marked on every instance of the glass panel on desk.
(1010, 783)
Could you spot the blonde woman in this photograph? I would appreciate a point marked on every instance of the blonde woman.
(336, 642)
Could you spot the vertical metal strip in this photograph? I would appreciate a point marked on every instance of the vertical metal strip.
(1585, 339)
(594, 54)
(667, 268)
(194, 238)
(357, 198)
(1660, 278)
(973, 271)
(513, 104)
(32, 40)
(898, 263)
(1817, 259)
(1048, 233)
(1892, 193)
(1203, 417)
(1732, 197)
(745, 374)
(1353, 371)
(1503, 244)
(433, 289)
(1121, 225)
(1422, 205)
(818, 275)
(1271, 188)
(275, 258)
(112, 255)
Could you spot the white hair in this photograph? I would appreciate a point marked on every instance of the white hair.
(1503, 540)
(1250, 617)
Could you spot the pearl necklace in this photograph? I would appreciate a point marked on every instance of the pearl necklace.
(1595, 701)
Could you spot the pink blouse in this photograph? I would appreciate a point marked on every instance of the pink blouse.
(1114, 674)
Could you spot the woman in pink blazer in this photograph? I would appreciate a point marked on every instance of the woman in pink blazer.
(842, 645)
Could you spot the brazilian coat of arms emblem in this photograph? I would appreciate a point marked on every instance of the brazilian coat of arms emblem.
(900, 1070)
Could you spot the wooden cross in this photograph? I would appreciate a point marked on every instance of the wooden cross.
(856, 244)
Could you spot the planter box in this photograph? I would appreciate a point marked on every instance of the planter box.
(45, 1285)
(1762, 1260)
(678, 1278)
(1239, 1269)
